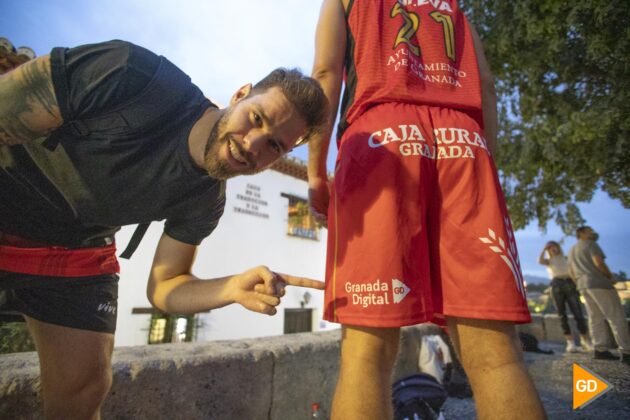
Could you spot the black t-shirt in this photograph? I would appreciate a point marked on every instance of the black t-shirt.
(72, 187)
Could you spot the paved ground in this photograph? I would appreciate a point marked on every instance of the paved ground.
(553, 376)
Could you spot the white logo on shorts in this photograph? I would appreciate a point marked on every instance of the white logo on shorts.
(106, 307)
(399, 289)
(507, 252)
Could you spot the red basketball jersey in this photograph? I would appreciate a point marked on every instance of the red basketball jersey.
(411, 51)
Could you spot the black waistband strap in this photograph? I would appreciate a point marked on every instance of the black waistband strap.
(135, 240)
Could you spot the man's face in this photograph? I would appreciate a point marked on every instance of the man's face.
(254, 132)
(590, 234)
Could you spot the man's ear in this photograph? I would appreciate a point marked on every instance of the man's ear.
(242, 93)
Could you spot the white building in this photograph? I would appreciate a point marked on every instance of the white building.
(255, 230)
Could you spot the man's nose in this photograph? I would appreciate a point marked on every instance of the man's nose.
(253, 142)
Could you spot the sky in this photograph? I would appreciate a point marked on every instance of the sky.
(224, 45)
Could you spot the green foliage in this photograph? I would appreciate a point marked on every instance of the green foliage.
(537, 287)
(562, 71)
(14, 338)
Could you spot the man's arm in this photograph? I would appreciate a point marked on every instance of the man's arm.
(28, 106)
(173, 289)
(330, 49)
(572, 272)
(488, 94)
(599, 262)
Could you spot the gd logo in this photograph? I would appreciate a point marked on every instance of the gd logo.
(587, 386)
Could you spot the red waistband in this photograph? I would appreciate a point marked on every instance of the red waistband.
(59, 262)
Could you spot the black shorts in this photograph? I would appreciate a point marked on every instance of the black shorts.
(87, 303)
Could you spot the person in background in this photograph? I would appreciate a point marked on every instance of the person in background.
(564, 293)
(418, 230)
(596, 283)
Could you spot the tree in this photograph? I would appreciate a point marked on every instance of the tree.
(562, 74)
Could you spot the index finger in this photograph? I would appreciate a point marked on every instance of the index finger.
(301, 281)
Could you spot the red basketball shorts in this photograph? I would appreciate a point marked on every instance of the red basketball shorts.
(418, 228)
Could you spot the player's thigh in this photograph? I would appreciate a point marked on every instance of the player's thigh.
(378, 272)
(474, 258)
(71, 358)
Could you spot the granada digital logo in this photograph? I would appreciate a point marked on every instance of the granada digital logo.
(587, 386)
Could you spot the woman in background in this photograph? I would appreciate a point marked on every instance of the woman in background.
(564, 292)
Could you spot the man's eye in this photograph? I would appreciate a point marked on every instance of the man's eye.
(275, 146)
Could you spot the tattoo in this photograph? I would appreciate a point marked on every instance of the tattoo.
(39, 81)
(28, 107)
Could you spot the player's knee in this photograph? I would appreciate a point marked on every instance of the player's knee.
(370, 344)
(93, 389)
(503, 359)
(81, 397)
(490, 345)
(104, 383)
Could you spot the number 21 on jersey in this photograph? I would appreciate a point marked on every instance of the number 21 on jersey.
(411, 25)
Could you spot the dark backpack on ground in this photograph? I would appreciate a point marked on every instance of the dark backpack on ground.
(530, 343)
(456, 382)
(418, 397)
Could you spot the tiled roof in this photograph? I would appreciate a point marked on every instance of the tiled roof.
(291, 166)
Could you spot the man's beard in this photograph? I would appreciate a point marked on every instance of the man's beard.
(215, 166)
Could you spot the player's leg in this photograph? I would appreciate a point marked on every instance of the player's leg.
(75, 369)
(492, 358)
(72, 321)
(377, 276)
(476, 261)
(365, 375)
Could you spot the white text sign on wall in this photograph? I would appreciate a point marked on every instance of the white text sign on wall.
(251, 202)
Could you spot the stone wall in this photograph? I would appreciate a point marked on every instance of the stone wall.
(547, 328)
(275, 378)
(267, 378)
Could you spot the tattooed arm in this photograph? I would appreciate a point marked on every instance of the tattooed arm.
(28, 106)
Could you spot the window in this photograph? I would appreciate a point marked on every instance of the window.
(158, 330)
(298, 320)
(171, 328)
(301, 223)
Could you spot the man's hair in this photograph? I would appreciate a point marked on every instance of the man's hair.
(579, 231)
(304, 93)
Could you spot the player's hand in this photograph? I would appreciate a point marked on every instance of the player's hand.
(260, 289)
(319, 199)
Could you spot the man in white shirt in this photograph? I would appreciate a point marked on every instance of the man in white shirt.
(595, 282)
